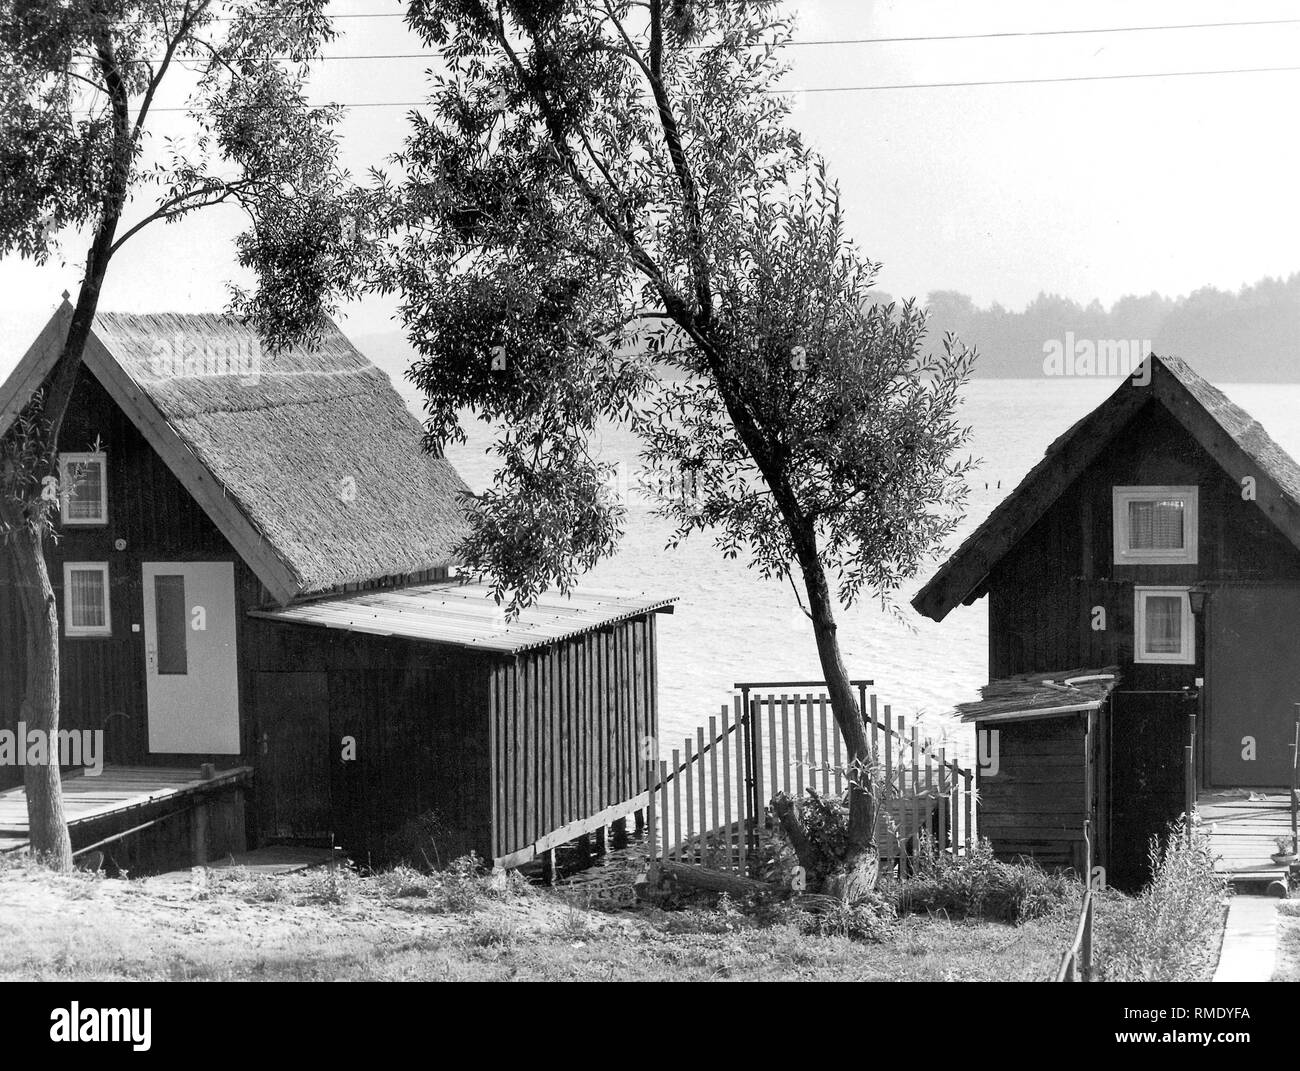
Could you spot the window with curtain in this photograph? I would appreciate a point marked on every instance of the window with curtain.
(86, 599)
(1165, 629)
(1164, 624)
(1155, 525)
(83, 488)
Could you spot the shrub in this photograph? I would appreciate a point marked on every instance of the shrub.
(977, 885)
(868, 918)
(1169, 931)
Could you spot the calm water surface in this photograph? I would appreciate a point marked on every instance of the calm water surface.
(730, 625)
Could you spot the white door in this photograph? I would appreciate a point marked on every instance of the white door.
(190, 665)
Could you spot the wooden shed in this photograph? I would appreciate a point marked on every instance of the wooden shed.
(1041, 782)
(1159, 535)
(256, 569)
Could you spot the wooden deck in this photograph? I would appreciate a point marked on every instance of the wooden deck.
(119, 789)
(1243, 826)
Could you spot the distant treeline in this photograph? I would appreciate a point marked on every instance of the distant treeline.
(1253, 334)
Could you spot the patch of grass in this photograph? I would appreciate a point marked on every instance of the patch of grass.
(1288, 942)
(492, 933)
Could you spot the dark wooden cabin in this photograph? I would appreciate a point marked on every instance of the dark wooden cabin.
(255, 569)
(1160, 535)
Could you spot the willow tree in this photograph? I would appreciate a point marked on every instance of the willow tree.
(79, 88)
(605, 214)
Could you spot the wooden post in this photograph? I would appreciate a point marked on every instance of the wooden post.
(785, 742)
(744, 785)
(942, 800)
(549, 871)
(760, 793)
(600, 841)
(725, 743)
(677, 805)
(713, 779)
(1295, 786)
(618, 833)
(689, 774)
(704, 818)
(663, 804)
(771, 741)
(798, 747)
(1189, 762)
(199, 833)
(826, 751)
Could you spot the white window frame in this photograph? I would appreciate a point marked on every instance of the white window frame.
(1125, 555)
(67, 461)
(1186, 655)
(69, 629)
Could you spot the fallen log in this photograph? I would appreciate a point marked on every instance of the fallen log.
(670, 872)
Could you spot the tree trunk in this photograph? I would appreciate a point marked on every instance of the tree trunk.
(844, 704)
(670, 872)
(47, 828)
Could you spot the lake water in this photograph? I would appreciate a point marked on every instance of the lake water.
(730, 625)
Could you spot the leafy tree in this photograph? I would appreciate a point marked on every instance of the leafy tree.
(80, 84)
(604, 213)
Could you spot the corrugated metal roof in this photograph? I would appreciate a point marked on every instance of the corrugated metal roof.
(1041, 695)
(467, 616)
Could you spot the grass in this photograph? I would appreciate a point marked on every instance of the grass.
(407, 925)
(973, 919)
(1288, 942)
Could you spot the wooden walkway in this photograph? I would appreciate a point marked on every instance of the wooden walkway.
(1243, 826)
(117, 789)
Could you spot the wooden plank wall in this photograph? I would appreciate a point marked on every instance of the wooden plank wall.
(568, 727)
(1036, 804)
(102, 678)
(417, 713)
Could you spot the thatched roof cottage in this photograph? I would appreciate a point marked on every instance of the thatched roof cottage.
(256, 568)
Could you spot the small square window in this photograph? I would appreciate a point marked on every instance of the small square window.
(1155, 525)
(83, 488)
(1164, 629)
(85, 599)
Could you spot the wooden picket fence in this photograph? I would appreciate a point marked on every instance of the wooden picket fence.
(708, 798)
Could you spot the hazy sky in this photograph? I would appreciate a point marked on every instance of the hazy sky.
(1087, 189)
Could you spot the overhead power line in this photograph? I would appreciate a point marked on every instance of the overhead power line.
(901, 85)
(834, 42)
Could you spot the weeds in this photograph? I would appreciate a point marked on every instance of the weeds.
(978, 885)
(1170, 930)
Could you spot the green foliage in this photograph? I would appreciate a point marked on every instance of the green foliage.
(977, 885)
(605, 218)
(1171, 930)
(81, 80)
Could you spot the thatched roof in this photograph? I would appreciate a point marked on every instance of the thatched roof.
(1235, 439)
(465, 615)
(1041, 695)
(307, 460)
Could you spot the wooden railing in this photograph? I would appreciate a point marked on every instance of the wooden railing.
(709, 796)
(1076, 963)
